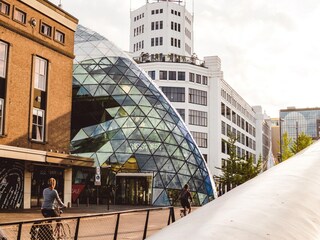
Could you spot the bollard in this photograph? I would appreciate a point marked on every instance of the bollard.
(69, 205)
(78, 202)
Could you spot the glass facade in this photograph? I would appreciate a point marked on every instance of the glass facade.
(296, 121)
(123, 121)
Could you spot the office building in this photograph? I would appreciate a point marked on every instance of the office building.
(162, 43)
(300, 120)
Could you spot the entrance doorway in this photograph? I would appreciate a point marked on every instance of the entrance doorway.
(39, 182)
(134, 190)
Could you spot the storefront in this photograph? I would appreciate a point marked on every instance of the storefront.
(24, 174)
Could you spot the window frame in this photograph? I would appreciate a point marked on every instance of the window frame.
(181, 76)
(61, 34)
(172, 75)
(3, 72)
(37, 75)
(1, 116)
(43, 29)
(163, 75)
(152, 74)
(16, 17)
(36, 125)
(5, 8)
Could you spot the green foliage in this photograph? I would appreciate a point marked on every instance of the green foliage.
(236, 169)
(286, 143)
(290, 148)
(301, 143)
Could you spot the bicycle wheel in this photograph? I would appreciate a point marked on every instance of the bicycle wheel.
(62, 231)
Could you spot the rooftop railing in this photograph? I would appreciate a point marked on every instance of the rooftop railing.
(160, 57)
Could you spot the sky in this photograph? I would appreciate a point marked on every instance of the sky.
(269, 49)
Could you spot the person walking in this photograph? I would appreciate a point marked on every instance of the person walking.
(185, 195)
(50, 195)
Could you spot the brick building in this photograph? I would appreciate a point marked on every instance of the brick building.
(36, 58)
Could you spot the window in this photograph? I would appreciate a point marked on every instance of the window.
(40, 74)
(152, 74)
(223, 109)
(181, 113)
(198, 118)
(4, 8)
(174, 94)
(204, 80)
(228, 113)
(197, 97)
(198, 79)
(172, 75)
(200, 138)
(3, 63)
(1, 115)
(152, 42)
(3, 59)
(46, 29)
(181, 76)
(38, 125)
(191, 77)
(59, 36)
(223, 128)
(163, 75)
(20, 16)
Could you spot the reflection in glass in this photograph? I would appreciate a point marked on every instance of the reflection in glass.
(122, 120)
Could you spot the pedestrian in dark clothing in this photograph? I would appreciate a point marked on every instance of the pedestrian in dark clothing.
(185, 195)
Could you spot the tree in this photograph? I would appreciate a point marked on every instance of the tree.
(301, 143)
(286, 143)
(236, 169)
(290, 148)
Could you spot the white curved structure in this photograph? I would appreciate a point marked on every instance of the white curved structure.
(282, 203)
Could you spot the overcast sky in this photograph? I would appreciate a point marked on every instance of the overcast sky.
(269, 49)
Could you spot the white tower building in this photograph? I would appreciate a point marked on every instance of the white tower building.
(161, 41)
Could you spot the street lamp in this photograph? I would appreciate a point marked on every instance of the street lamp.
(280, 154)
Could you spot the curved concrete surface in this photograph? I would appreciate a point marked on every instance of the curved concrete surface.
(282, 203)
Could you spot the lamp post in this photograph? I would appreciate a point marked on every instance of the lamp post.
(280, 124)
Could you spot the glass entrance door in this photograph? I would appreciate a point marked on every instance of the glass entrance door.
(134, 190)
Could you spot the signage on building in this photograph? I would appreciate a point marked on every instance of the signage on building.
(76, 191)
(97, 178)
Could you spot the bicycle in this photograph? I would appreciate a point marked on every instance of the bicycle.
(43, 230)
(61, 231)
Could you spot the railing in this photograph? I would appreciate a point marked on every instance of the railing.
(145, 58)
(131, 224)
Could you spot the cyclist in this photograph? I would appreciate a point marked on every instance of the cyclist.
(50, 195)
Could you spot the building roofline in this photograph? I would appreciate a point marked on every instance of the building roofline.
(291, 109)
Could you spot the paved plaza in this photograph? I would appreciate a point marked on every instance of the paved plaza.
(131, 223)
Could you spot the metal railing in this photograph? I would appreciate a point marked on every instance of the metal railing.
(131, 224)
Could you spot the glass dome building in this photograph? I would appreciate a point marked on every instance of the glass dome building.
(125, 123)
